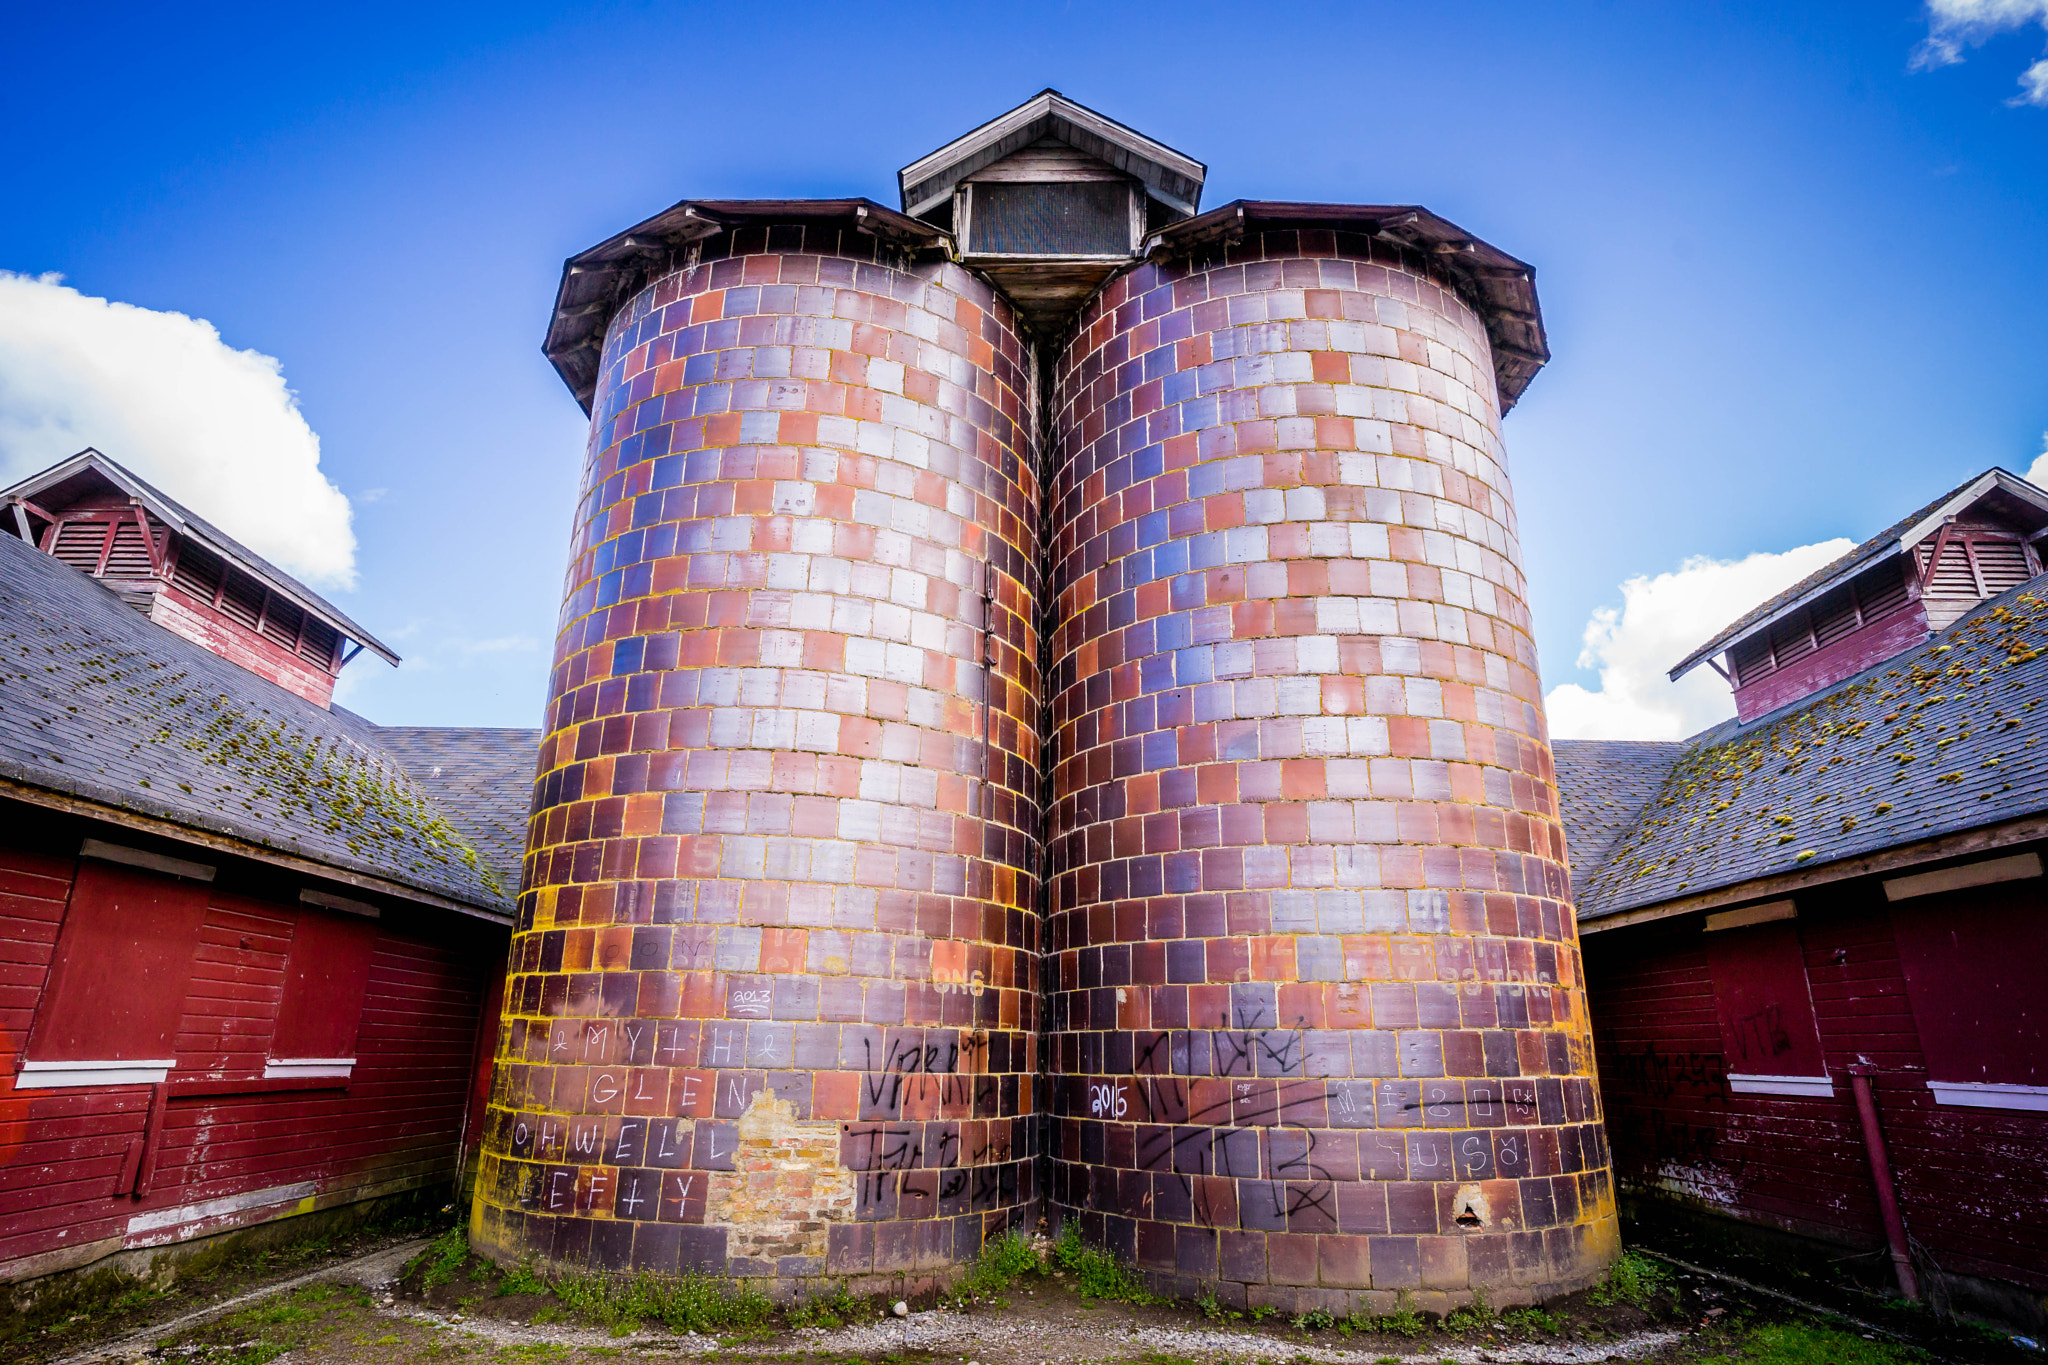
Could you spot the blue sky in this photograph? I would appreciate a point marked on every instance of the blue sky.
(1793, 286)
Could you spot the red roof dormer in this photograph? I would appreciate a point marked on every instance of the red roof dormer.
(185, 574)
(1919, 576)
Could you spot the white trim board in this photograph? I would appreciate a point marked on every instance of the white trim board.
(1805, 1087)
(135, 857)
(1983, 1095)
(342, 1067)
(157, 1219)
(1983, 872)
(1752, 914)
(51, 1075)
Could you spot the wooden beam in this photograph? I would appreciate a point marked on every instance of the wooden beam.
(241, 848)
(2023, 830)
(1941, 540)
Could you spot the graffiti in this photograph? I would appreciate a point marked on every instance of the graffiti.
(1663, 1074)
(1108, 1100)
(1762, 1034)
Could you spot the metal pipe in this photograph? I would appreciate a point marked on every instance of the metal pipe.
(1881, 1176)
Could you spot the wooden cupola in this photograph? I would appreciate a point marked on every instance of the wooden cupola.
(184, 573)
(1921, 575)
(1051, 199)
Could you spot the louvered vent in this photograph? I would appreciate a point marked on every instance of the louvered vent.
(2002, 564)
(1751, 659)
(316, 646)
(1834, 616)
(1952, 577)
(1078, 218)
(1882, 591)
(281, 621)
(1790, 639)
(80, 544)
(129, 557)
(198, 572)
(243, 600)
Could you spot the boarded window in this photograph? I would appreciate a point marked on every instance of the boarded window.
(1762, 1001)
(122, 967)
(80, 544)
(1972, 962)
(326, 975)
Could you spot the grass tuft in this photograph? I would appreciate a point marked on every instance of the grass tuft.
(1635, 1280)
(1097, 1274)
(683, 1303)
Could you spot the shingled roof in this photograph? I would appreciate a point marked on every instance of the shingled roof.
(1605, 783)
(100, 704)
(1938, 740)
(482, 777)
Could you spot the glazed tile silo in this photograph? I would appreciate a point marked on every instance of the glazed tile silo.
(772, 999)
(1318, 1027)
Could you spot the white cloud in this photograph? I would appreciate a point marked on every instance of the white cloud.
(1953, 25)
(1661, 620)
(2037, 472)
(162, 394)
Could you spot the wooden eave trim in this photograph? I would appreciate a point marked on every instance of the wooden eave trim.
(221, 843)
(2026, 829)
(1048, 105)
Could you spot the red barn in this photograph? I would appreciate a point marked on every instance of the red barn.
(1814, 935)
(248, 941)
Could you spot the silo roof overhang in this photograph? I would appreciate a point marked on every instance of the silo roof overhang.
(597, 282)
(1500, 288)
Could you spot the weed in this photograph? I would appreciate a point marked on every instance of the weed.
(1212, 1307)
(389, 1339)
(1001, 1262)
(1472, 1317)
(829, 1311)
(682, 1303)
(1097, 1274)
(1262, 1312)
(1532, 1319)
(1635, 1280)
(1404, 1321)
(444, 1256)
(520, 1279)
(1314, 1320)
(551, 1313)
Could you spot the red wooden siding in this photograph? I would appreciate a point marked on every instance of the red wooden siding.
(1973, 1183)
(122, 967)
(223, 630)
(69, 1157)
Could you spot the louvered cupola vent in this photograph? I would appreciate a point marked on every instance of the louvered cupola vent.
(184, 574)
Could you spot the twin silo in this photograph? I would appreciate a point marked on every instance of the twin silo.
(1045, 726)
